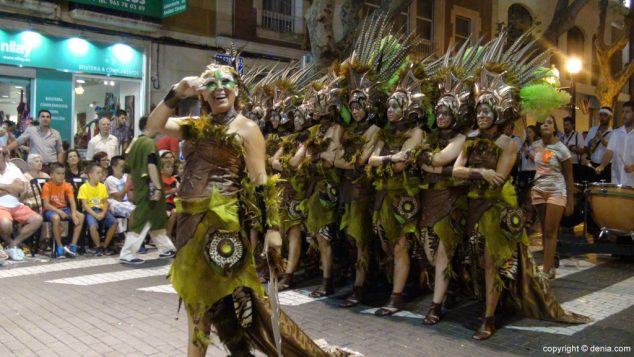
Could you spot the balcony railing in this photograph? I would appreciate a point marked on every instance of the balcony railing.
(278, 22)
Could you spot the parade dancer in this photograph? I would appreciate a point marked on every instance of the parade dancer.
(442, 198)
(213, 271)
(397, 184)
(498, 243)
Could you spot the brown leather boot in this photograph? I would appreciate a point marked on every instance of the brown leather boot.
(285, 282)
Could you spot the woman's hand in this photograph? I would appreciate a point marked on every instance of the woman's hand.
(570, 206)
(492, 177)
(188, 87)
(400, 156)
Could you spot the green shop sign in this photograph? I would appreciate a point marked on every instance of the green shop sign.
(152, 8)
(54, 93)
(31, 49)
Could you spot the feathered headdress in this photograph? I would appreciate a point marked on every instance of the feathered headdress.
(504, 72)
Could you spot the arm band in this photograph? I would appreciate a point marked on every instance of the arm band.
(171, 100)
(267, 199)
(447, 171)
(475, 175)
(426, 158)
(386, 159)
(259, 195)
(152, 159)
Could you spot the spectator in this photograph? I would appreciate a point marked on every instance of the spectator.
(101, 159)
(120, 206)
(168, 143)
(6, 136)
(170, 186)
(178, 170)
(73, 166)
(168, 157)
(59, 205)
(121, 130)
(43, 140)
(597, 142)
(105, 141)
(94, 199)
(30, 197)
(12, 184)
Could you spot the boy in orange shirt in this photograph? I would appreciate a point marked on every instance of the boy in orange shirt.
(59, 205)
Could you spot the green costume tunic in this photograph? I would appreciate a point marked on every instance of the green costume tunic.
(443, 205)
(320, 204)
(146, 210)
(356, 189)
(495, 223)
(293, 184)
(396, 205)
(213, 204)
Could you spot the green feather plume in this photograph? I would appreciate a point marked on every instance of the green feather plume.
(540, 99)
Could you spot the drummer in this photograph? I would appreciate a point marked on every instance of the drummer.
(597, 142)
(575, 143)
(620, 150)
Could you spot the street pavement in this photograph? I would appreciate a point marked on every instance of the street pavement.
(97, 307)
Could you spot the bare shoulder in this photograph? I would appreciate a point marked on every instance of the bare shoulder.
(506, 143)
(246, 128)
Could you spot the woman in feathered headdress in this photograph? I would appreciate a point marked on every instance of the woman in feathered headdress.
(441, 200)
(392, 166)
(213, 271)
(498, 244)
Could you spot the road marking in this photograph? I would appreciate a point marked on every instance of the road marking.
(287, 298)
(104, 278)
(598, 305)
(69, 264)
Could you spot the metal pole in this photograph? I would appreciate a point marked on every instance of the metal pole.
(573, 106)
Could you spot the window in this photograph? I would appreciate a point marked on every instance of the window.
(277, 15)
(466, 22)
(96, 96)
(462, 30)
(418, 17)
(519, 21)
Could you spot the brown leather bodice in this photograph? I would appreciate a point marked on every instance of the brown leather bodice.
(483, 156)
(210, 162)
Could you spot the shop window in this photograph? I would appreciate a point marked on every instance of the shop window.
(466, 22)
(97, 96)
(15, 101)
(519, 21)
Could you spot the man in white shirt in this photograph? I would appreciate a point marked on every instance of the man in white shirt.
(105, 141)
(597, 141)
(620, 150)
(575, 143)
(12, 184)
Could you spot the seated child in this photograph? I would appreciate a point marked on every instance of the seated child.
(59, 205)
(94, 199)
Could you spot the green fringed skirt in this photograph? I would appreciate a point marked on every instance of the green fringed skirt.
(198, 284)
(320, 206)
(397, 207)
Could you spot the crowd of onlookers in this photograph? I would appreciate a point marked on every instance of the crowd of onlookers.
(65, 201)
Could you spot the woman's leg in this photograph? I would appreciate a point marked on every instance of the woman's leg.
(194, 348)
(294, 248)
(325, 251)
(549, 234)
(401, 265)
(441, 283)
(363, 258)
(492, 295)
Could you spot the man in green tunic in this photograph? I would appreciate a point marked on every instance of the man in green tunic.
(150, 213)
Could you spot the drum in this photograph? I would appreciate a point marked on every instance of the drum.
(612, 207)
(577, 215)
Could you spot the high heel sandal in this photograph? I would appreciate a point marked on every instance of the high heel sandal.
(355, 298)
(326, 288)
(486, 330)
(285, 282)
(433, 315)
(394, 305)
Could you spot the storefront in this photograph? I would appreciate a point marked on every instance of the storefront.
(77, 80)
